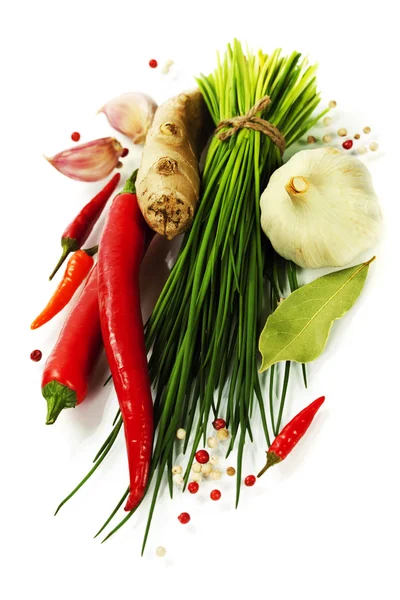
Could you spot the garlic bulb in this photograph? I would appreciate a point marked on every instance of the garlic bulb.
(131, 114)
(320, 209)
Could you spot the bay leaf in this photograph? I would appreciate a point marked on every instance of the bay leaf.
(299, 328)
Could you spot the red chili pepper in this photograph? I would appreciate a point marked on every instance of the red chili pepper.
(122, 246)
(291, 434)
(77, 270)
(80, 228)
(68, 368)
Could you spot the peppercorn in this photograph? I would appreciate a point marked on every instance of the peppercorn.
(215, 474)
(231, 471)
(357, 136)
(36, 355)
(202, 456)
(367, 130)
(193, 487)
(222, 434)
(342, 132)
(332, 104)
(327, 121)
(160, 551)
(219, 424)
(373, 146)
(327, 139)
(249, 480)
(311, 139)
(180, 434)
(215, 495)
(184, 518)
(348, 144)
(206, 469)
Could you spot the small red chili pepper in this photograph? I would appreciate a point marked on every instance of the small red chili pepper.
(70, 364)
(184, 518)
(202, 456)
(36, 355)
(123, 243)
(348, 144)
(284, 443)
(77, 270)
(80, 228)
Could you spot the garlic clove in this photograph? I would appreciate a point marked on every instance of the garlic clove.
(88, 162)
(131, 114)
(320, 209)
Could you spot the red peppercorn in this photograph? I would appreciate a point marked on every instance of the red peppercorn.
(250, 480)
(125, 152)
(36, 355)
(215, 495)
(193, 487)
(348, 144)
(153, 63)
(75, 137)
(202, 457)
(184, 518)
(219, 424)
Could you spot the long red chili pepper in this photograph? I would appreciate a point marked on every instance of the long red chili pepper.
(291, 434)
(69, 366)
(79, 229)
(122, 245)
(78, 268)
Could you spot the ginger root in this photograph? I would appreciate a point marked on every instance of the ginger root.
(168, 181)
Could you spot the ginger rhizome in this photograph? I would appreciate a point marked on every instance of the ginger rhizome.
(168, 182)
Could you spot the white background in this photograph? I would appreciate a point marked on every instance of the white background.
(325, 523)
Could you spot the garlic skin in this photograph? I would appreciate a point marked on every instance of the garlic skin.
(320, 209)
(88, 162)
(131, 114)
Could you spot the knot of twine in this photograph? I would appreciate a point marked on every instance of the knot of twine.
(250, 121)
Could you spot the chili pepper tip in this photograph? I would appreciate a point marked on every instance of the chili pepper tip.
(133, 501)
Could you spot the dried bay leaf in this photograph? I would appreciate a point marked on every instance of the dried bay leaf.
(299, 328)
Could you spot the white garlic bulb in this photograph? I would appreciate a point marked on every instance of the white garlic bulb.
(320, 209)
